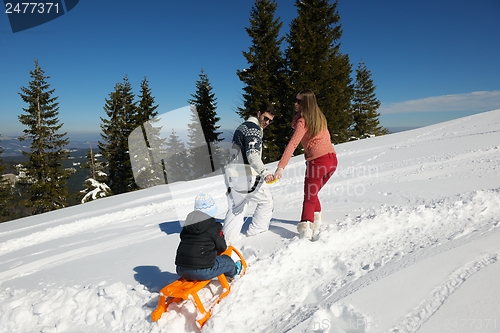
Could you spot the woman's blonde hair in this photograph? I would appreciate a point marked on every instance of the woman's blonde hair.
(310, 111)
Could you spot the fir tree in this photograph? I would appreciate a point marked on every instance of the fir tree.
(146, 146)
(95, 183)
(46, 175)
(265, 79)
(121, 120)
(365, 105)
(148, 155)
(146, 110)
(315, 62)
(177, 164)
(203, 128)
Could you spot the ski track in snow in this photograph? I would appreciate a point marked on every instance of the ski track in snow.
(414, 320)
(345, 254)
(120, 306)
(351, 282)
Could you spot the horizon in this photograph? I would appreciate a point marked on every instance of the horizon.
(82, 140)
(96, 136)
(10, 143)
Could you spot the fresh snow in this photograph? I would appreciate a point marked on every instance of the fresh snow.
(410, 243)
(99, 190)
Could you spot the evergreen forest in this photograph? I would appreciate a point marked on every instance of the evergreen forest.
(307, 56)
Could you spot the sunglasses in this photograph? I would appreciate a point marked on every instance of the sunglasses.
(297, 101)
(268, 119)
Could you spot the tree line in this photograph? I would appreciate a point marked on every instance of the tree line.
(308, 56)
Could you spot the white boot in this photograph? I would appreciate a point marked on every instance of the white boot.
(305, 229)
(318, 217)
(318, 220)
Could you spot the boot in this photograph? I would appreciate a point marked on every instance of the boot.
(238, 268)
(318, 220)
(305, 229)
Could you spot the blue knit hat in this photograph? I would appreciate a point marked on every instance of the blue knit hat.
(204, 202)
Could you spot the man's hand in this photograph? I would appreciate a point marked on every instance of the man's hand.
(269, 178)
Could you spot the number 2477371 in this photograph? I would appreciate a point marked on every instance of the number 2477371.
(31, 8)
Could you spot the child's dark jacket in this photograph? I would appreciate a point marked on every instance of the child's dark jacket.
(201, 241)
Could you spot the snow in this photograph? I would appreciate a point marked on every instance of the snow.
(410, 243)
(99, 190)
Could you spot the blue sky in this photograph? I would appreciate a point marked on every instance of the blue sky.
(431, 60)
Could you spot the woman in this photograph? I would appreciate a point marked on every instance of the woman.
(321, 160)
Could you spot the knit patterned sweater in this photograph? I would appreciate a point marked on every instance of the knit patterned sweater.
(248, 137)
(313, 147)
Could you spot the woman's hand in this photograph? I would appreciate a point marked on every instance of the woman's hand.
(278, 173)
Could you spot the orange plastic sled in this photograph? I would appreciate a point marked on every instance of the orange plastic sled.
(181, 289)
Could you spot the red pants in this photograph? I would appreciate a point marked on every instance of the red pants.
(318, 172)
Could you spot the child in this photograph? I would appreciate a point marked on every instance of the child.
(202, 241)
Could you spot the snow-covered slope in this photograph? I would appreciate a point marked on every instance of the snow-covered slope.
(411, 243)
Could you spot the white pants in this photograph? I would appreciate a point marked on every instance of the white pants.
(237, 205)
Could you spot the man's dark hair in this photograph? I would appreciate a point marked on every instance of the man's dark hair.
(267, 108)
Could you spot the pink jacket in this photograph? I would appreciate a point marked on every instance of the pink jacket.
(313, 147)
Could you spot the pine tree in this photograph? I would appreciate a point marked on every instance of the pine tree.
(45, 172)
(121, 120)
(315, 62)
(365, 105)
(95, 183)
(146, 110)
(203, 128)
(177, 164)
(146, 143)
(147, 149)
(265, 79)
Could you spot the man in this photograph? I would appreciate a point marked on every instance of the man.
(245, 177)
